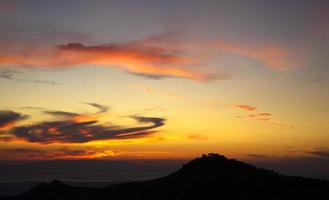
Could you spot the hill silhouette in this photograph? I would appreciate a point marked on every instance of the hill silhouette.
(211, 176)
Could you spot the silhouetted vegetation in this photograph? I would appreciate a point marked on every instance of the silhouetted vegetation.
(211, 176)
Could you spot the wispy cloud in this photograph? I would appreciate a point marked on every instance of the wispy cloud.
(275, 56)
(246, 107)
(156, 92)
(77, 128)
(12, 75)
(259, 116)
(8, 118)
(100, 107)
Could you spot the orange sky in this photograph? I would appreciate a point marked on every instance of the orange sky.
(166, 80)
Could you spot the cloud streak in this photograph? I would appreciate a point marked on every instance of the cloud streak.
(156, 92)
(261, 116)
(246, 107)
(61, 153)
(12, 75)
(101, 108)
(274, 56)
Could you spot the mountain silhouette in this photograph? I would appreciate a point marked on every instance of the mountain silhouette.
(210, 176)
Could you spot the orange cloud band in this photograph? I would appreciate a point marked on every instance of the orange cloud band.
(135, 58)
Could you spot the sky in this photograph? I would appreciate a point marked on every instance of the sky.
(145, 80)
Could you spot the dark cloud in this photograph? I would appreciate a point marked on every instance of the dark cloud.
(102, 108)
(8, 74)
(150, 76)
(264, 114)
(57, 113)
(156, 120)
(70, 131)
(61, 113)
(31, 108)
(8, 117)
(65, 153)
(22, 151)
(74, 127)
(77, 152)
(12, 75)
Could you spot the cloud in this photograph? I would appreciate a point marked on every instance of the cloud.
(31, 108)
(61, 153)
(145, 58)
(8, 118)
(12, 75)
(246, 107)
(67, 131)
(61, 113)
(198, 137)
(75, 127)
(259, 116)
(258, 156)
(275, 56)
(22, 151)
(157, 121)
(8, 74)
(80, 117)
(66, 153)
(262, 116)
(155, 92)
(102, 108)
(265, 117)
(281, 124)
(320, 153)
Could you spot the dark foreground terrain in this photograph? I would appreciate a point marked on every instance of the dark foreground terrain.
(211, 176)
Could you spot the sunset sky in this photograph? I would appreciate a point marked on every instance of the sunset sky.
(164, 79)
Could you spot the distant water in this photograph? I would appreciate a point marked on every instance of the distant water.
(14, 188)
